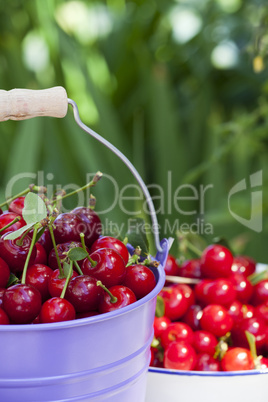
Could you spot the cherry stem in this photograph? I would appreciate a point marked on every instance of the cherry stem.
(92, 183)
(92, 262)
(19, 242)
(78, 268)
(18, 218)
(23, 278)
(22, 193)
(50, 228)
(252, 344)
(258, 277)
(67, 280)
(113, 299)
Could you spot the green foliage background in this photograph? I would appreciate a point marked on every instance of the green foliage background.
(164, 103)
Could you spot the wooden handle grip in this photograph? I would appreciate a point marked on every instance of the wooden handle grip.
(22, 104)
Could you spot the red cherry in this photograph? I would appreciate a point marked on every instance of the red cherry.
(254, 325)
(111, 242)
(15, 254)
(92, 224)
(179, 356)
(8, 217)
(124, 297)
(4, 273)
(201, 291)
(38, 276)
(236, 359)
(62, 250)
(156, 358)
(216, 262)
(206, 362)
(4, 320)
(176, 331)
(160, 324)
(171, 266)
(243, 287)
(2, 292)
(187, 291)
(260, 293)
(56, 309)
(140, 279)
(84, 293)
(22, 303)
(235, 310)
(17, 205)
(243, 265)
(191, 269)
(262, 311)
(175, 302)
(204, 342)
(110, 268)
(215, 319)
(56, 283)
(221, 291)
(41, 255)
(192, 316)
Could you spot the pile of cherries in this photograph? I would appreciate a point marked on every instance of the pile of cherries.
(217, 320)
(62, 268)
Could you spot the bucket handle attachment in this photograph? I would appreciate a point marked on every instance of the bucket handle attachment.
(22, 104)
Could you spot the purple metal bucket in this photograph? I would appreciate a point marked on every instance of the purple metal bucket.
(100, 358)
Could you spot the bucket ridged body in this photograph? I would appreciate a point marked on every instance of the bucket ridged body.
(104, 357)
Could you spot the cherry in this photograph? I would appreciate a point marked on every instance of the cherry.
(215, 319)
(221, 291)
(111, 242)
(17, 205)
(191, 269)
(254, 325)
(22, 303)
(187, 291)
(62, 250)
(171, 266)
(15, 254)
(156, 358)
(216, 262)
(179, 356)
(86, 314)
(206, 362)
(84, 293)
(235, 310)
(56, 309)
(260, 293)
(38, 276)
(4, 273)
(236, 359)
(176, 331)
(2, 292)
(56, 283)
(201, 291)
(120, 296)
(248, 311)
(262, 311)
(140, 279)
(175, 302)
(108, 267)
(41, 255)
(244, 288)
(204, 342)
(45, 241)
(4, 320)
(243, 265)
(160, 324)
(192, 316)
(8, 217)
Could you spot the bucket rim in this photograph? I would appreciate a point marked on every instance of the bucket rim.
(100, 317)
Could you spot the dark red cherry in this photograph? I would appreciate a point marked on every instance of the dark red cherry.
(22, 303)
(4, 273)
(109, 267)
(111, 242)
(262, 311)
(235, 310)
(62, 249)
(254, 325)
(216, 262)
(191, 269)
(206, 362)
(17, 205)
(45, 241)
(140, 279)
(56, 309)
(8, 217)
(192, 316)
(38, 276)
(243, 287)
(4, 320)
(92, 224)
(2, 292)
(204, 342)
(260, 293)
(41, 255)
(84, 293)
(15, 254)
(124, 297)
(171, 267)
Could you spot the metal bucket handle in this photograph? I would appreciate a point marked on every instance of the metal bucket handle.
(22, 104)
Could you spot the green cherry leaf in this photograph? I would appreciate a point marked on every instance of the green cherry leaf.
(34, 210)
(137, 236)
(17, 233)
(66, 269)
(77, 254)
